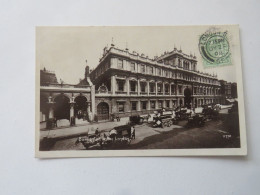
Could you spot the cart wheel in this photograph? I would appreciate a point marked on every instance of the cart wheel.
(170, 123)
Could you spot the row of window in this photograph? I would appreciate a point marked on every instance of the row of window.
(133, 87)
(158, 71)
(121, 105)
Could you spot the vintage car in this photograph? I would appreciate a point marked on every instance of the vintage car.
(181, 114)
(164, 119)
(136, 120)
(123, 131)
(210, 112)
(198, 120)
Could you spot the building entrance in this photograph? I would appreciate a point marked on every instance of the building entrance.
(187, 98)
(80, 106)
(103, 111)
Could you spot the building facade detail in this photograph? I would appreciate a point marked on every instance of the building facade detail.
(138, 84)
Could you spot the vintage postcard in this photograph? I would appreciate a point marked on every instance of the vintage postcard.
(139, 91)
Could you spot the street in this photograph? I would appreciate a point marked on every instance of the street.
(213, 134)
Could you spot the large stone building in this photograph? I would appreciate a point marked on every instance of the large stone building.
(228, 91)
(128, 83)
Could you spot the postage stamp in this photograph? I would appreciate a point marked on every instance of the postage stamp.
(215, 49)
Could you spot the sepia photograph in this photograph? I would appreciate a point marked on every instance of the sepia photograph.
(139, 91)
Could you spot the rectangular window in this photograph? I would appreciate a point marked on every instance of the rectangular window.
(151, 70)
(132, 66)
(159, 88)
(159, 71)
(173, 75)
(174, 103)
(152, 103)
(159, 104)
(167, 103)
(134, 106)
(152, 87)
(120, 85)
(144, 105)
(173, 89)
(142, 68)
(120, 64)
(180, 90)
(121, 106)
(143, 86)
(132, 86)
(166, 88)
(166, 73)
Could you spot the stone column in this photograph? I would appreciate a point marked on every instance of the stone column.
(113, 85)
(72, 109)
(127, 86)
(72, 117)
(51, 110)
(171, 103)
(170, 90)
(177, 89)
(148, 105)
(50, 122)
(139, 105)
(147, 87)
(164, 103)
(138, 87)
(156, 88)
(88, 110)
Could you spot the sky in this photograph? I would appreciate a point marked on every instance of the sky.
(66, 49)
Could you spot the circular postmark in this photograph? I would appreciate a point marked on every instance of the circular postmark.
(214, 48)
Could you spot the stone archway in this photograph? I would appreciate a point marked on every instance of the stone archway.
(80, 108)
(62, 107)
(187, 97)
(103, 111)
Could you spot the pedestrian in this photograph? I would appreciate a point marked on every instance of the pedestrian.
(132, 132)
(96, 132)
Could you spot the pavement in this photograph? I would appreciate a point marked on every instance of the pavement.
(68, 131)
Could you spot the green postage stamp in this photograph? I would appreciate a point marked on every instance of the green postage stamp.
(215, 49)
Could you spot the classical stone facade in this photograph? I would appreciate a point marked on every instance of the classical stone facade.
(129, 83)
(65, 101)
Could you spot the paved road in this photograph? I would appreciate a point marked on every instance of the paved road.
(212, 135)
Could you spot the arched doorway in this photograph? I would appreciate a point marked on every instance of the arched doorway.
(103, 111)
(187, 97)
(80, 106)
(62, 107)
